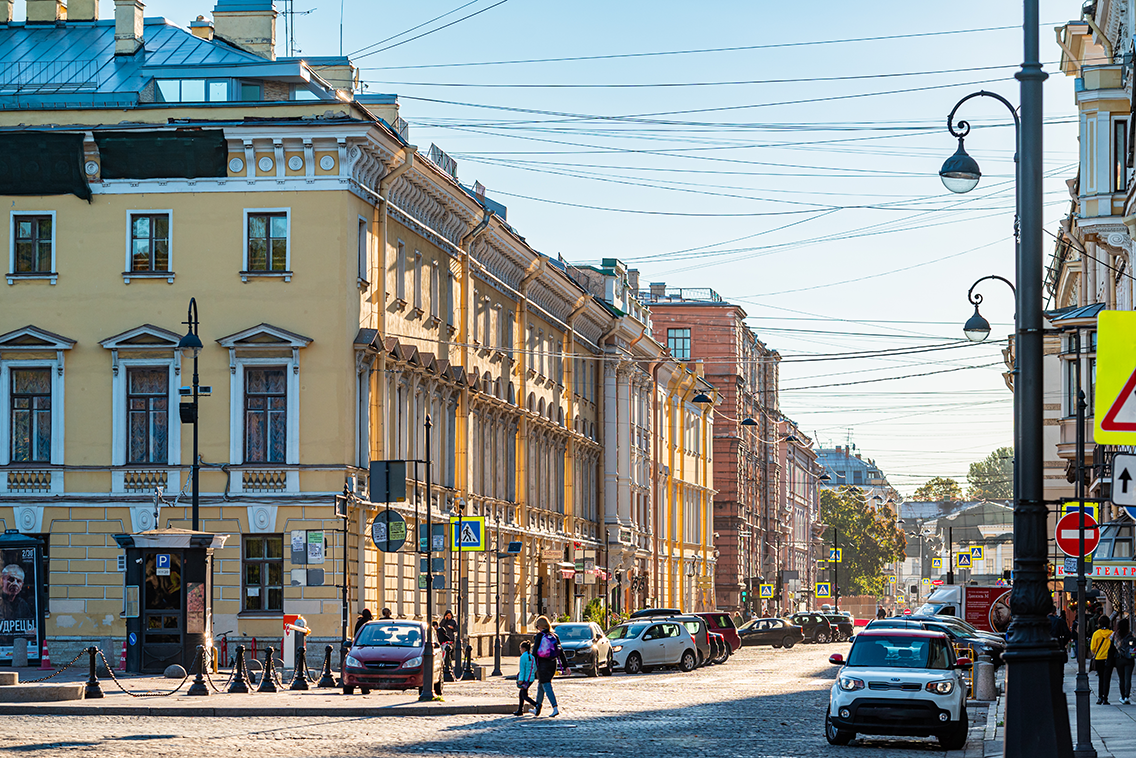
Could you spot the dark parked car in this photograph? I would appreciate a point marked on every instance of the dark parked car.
(388, 655)
(724, 625)
(957, 635)
(842, 627)
(586, 648)
(771, 631)
(698, 629)
(720, 649)
(815, 625)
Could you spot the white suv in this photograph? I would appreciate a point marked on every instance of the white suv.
(902, 682)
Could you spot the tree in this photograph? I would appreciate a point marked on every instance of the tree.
(992, 478)
(868, 539)
(939, 488)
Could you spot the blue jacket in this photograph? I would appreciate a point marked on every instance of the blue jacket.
(527, 672)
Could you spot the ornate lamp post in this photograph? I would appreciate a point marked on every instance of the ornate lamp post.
(1037, 717)
(191, 342)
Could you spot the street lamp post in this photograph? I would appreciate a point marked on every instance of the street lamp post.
(497, 611)
(1037, 716)
(427, 691)
(191, 342)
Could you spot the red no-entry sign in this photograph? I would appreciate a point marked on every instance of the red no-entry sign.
(1068, 533)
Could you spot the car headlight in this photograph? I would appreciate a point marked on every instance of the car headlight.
(850, 684)
(616, 648)
(353, 662)
(941, 687)
(413, 663)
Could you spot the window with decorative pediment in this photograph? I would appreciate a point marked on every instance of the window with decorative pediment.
(31, 415)
(31, 406)
(148, 414)
(266, 415)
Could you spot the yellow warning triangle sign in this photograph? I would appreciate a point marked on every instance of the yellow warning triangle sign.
(1121, 416)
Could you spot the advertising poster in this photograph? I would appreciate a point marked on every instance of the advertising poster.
(19, 600)
(988, 608)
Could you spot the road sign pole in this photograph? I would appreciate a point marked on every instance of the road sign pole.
(1084, 747)
(427, 690)
(836, 570)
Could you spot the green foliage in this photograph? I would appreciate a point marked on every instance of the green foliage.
(594, 611)
(562, 618)
(939, 488)
(869, 539)
(992, 478)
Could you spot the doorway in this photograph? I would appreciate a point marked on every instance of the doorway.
(163, 610)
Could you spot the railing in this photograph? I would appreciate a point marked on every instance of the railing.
(144, 481)
(264, 481)
(29, 480)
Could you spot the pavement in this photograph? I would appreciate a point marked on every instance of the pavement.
(1113, 726)
(762, 703)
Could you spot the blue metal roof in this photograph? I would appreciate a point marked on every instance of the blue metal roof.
(74, 65)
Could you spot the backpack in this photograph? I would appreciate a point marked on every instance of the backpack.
(547, 646)
(1126, 648)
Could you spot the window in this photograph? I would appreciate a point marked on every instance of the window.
(266, 415)
(364, 255)
(1071, 387)
(194, 90)
(267, 248)
(33, 244)
(507, 332)
(149, 242)
(250, 92)
(678, 343)
(148, 413)
(1120, 155)
(262, 573)
(417, 281)
(31, 415)
(434, 277)
(400, 274)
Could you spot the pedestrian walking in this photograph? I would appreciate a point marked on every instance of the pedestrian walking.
(1104, 659)
(546, 646)
(526, 675)
(881, 613)
(1125, 659)
(1058, 629)
(386, 615)
(363, 617)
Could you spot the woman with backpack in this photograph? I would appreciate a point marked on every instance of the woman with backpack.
(1125, 658)
(546, 648)
(1104, 658)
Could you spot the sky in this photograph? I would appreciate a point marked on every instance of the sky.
(790, 164)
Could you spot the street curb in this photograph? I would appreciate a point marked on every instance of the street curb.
(251, 711)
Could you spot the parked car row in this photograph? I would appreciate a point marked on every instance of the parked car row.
(806, 626)
(960, 633)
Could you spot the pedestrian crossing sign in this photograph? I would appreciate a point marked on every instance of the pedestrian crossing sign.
(892, 579)
(467, 534)
(937, 565)
(964, 560)
(766, 590)
(823, 589)
(927, 582)
(835, 554)
(976, 553)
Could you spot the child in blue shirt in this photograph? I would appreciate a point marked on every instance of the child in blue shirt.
(525, 677)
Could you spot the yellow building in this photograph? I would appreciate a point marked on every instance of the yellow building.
(348, 288)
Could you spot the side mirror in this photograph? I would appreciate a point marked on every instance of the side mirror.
(963, 663)
(836, 659)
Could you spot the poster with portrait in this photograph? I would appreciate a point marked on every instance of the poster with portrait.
(19, 600)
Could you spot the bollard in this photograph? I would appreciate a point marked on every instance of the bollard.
(239, 684)
(93, 689)
(267, 680)
(198, 687)
(326, 680)
(985, 689)
(300, 679)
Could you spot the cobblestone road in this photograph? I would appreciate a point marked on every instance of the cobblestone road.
(763, 702)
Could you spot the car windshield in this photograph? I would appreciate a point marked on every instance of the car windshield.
(748, 625)
(574, 632)
(626, 631)
(389, 635)
(900, 651)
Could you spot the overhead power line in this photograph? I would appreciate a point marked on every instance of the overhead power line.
(413, 28)
(431, 31)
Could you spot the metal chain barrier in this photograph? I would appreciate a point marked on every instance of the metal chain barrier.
(58, 671)
(225, 686)
(145, 693)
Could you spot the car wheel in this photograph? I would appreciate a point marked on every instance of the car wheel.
(725, 656)
(364, 690)
(955, 739)
(821, 637)
(610, 667)
(438, 689)
(778, 644)
(687, 662)
(594, 669)
(348, 689)
(833, 735)
(634, 664)
(788, 642)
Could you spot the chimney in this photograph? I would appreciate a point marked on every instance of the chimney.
(202, 28)
(633, 279)
(127, 26)
(46, 11)
(248, 24)
(83, 10)
(7, 11)
(658, 289)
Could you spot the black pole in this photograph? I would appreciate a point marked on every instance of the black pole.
(427, 690)
(93, 688)
(1084, 747)
(1037, 713)
(950, 555)
(193, 324)
(836, 568)
(344, 615)
(497, 613)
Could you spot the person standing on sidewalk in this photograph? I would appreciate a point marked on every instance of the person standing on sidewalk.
(549, 654)
(1104, 658)
(1125, 659)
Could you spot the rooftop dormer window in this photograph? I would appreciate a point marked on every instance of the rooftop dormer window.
(194, 90)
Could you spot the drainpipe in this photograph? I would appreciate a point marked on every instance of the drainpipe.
(1105, 42)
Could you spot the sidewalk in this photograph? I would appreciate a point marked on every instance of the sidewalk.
(1113, 726)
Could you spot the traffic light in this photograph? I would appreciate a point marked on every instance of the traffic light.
(744, 595)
